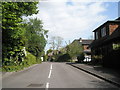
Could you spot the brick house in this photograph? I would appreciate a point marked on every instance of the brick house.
(105, 47)
(86, 49)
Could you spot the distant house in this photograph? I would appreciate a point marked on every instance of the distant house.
(105, 47)
(86, 49)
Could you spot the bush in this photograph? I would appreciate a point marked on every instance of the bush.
(64, 58)
(45, 58)
(30, 59)
(27, 61)
(38, 60)
(12, 68)
(80, 57)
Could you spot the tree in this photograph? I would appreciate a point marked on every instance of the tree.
(74, 49)
(12, 29)
(59, 41)
(52, 43)
(36, 37)
(56, 42)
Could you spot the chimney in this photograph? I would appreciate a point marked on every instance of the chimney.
(80, 39)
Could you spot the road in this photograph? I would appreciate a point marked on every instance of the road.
(53, 75)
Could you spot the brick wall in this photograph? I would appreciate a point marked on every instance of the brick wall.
(112, 28)
(85, 47)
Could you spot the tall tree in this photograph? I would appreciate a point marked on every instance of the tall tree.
(12, 31)
(36, 36)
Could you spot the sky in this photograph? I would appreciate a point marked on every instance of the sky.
(72, 19)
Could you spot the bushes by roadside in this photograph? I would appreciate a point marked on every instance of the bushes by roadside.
(80, 57)
(62, 58)
(27, 61)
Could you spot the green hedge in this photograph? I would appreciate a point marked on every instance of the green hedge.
(27, 61)
(80, 57)
(12, 68)
(63, 58)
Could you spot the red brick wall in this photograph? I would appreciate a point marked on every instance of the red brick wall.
(112, 28)
(85, 47)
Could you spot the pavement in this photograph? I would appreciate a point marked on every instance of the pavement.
(110, 75)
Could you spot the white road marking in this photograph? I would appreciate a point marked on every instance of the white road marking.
(50, 71)
(47, 85)
(49, 74)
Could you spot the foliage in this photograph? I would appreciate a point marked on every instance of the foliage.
(97, 57)
(74, 49)
(45, 57)
(116, 46)
(11, 68)
(13, 31)
(68, 53)
(27, 61)
(80, 57)
(63, 58)
(56, 42)
(49, 51)
(36, 37)
(59, 41)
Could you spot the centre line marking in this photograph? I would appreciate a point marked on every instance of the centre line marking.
(49, 74)
(47, 85)
(50, 71)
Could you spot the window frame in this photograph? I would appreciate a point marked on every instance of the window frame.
(103, 32)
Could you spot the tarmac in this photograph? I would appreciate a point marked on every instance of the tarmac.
(110, 75)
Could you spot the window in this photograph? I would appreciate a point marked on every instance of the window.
(96, 35)
(103, 31)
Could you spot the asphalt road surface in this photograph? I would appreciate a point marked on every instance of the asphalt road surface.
(53, 75)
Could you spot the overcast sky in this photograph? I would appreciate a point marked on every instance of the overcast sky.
(72, 20)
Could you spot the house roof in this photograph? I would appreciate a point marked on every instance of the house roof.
(110, 21)
(114, 36)
(118, 18)
(86, 41)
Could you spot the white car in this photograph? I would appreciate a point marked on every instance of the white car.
(87, 59)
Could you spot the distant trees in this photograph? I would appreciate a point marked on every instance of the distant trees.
(70, 52)
(56, 42)
(52, 43)
(74, 49)
(59, 42)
